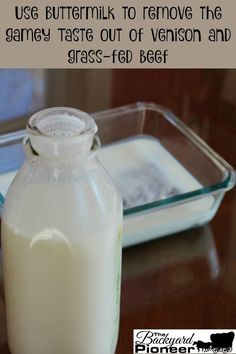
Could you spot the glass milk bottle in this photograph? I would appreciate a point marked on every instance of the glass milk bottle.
(61, 239)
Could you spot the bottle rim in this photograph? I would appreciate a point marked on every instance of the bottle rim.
(76, 123)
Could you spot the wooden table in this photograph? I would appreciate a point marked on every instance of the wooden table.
(186, 280)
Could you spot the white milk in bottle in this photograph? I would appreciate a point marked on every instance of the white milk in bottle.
(61, 239)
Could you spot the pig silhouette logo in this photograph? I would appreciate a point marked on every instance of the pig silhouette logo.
(220, 343)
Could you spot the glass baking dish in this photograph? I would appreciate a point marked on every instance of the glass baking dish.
(169, 178)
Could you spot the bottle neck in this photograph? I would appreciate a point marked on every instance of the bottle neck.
(62, 135)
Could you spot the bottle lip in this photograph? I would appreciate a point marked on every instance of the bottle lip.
(76, 123)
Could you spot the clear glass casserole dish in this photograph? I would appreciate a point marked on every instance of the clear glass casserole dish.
(169, 178)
